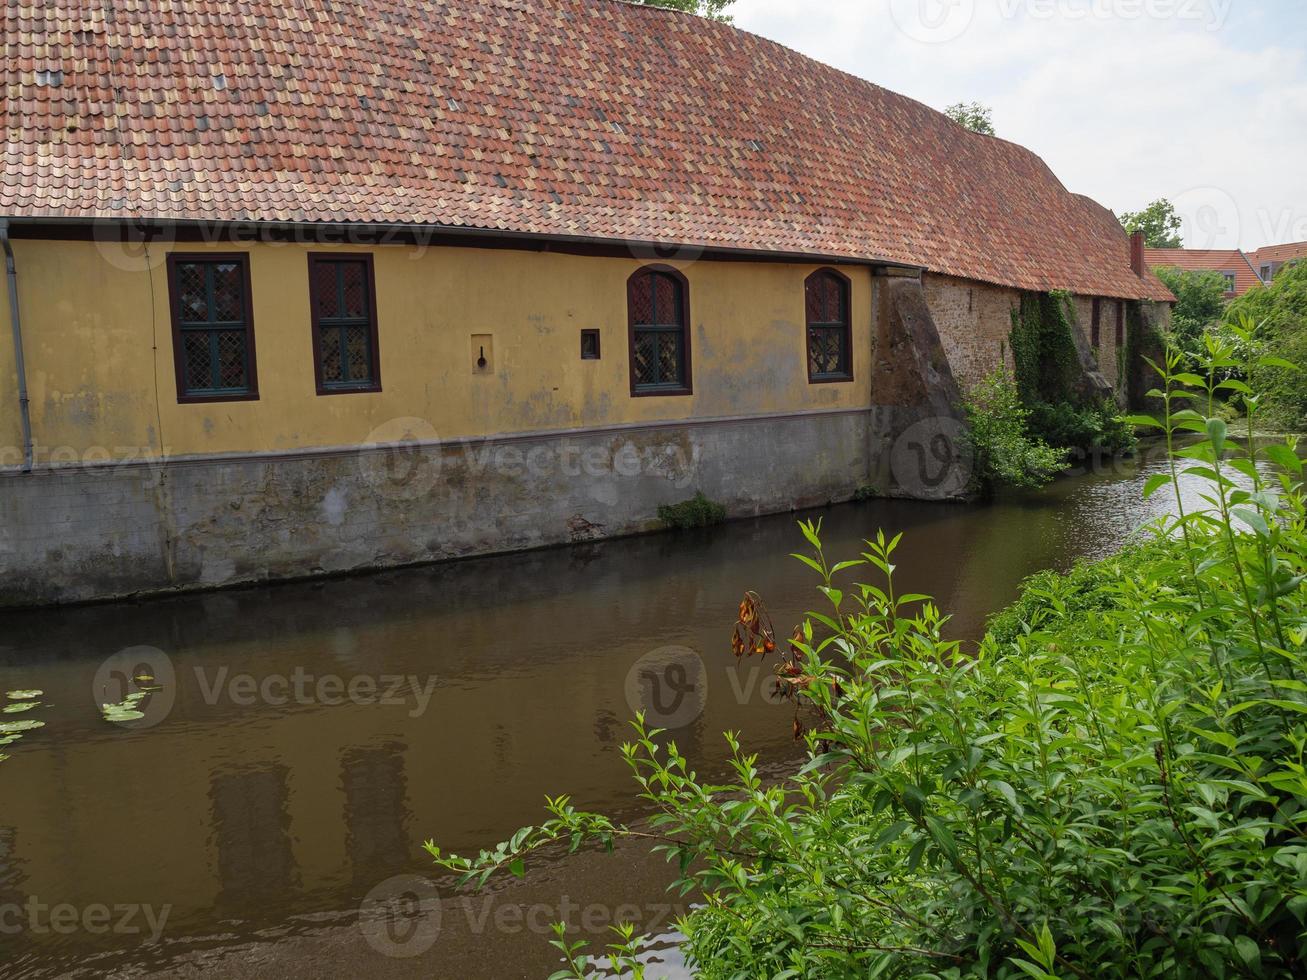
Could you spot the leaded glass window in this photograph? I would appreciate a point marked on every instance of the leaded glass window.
(213, 333)
(830, 357)
(660, 349)
(344, 323)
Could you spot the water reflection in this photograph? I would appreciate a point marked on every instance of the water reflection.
(319, 732)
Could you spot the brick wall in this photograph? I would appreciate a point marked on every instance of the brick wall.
(974, 320)
(1107, 352)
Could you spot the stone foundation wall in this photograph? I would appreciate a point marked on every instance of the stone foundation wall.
(110, 531)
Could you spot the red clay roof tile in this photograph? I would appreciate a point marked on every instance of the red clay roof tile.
(1207, 260)
(589, 118)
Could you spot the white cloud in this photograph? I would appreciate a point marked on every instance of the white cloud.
(1198, 101)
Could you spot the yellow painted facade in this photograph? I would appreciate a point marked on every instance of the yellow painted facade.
(100, 367)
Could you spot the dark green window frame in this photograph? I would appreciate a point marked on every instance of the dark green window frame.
(336, 321)
(650, 321)
(197, 327)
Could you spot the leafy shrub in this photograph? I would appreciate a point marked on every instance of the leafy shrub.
(698, 511)
(1280, 314)
(1093, 428)
(1004, 452)
(1114, 786)
(1199, 308)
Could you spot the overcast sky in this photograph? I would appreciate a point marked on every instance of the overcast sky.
(1203, 102)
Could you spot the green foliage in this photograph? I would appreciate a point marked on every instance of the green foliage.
(713, 9)
(975, 116)
(1047, 362)
(1048, 369)
(1094, 428)
(1112, 785)
(698, 511)
(1159, 223)
(1280, 311)
(1003, 451)
(1200, 305)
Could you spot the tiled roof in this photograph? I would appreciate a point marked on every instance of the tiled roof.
(586, 118)
(1207, 260)
(1279, 253)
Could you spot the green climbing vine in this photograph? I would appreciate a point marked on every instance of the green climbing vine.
(1043, 347)
(1048, 376)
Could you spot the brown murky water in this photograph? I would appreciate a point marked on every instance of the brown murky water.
(311, 736)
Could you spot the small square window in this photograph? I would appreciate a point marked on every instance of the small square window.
(1230, 281)
(589, 345)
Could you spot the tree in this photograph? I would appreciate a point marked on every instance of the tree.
(1158, 222)
(1200, 305)
(1280, 312)
(973, 115)
(713, 9)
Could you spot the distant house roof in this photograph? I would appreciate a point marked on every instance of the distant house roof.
(1279, 253)
(1207, 260)
(588, 119)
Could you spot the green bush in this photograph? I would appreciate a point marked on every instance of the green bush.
(1199, 308)
(1094, 428)
(698, 511)
(1279, 312)
(1112, 785)
(1004, 452)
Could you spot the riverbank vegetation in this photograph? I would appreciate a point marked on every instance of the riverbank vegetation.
(1027, 425)
(1279, 309)
(1112, 785)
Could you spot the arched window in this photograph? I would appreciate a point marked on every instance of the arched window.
(830, 334)
(658, 299)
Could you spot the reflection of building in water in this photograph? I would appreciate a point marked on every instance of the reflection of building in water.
(10, 875)
(252, 831)
(376, 809)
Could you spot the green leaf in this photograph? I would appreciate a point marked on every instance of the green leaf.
(1155, 483)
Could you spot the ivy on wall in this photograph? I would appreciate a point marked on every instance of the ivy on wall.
(1049, 378)
(1047, 364)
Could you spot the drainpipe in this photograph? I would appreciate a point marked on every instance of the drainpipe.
(24, 407)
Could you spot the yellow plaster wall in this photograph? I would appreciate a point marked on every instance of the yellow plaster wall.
(99, 345)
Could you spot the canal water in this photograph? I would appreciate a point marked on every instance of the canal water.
(303, 740)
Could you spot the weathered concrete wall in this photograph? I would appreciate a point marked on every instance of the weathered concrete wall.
(94, 532)
(974, 321)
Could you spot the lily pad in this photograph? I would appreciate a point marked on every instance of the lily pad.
(19, 707)
(26, 725)
(121, 712)
(23, 695)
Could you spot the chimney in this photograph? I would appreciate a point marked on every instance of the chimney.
(1137, 253)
